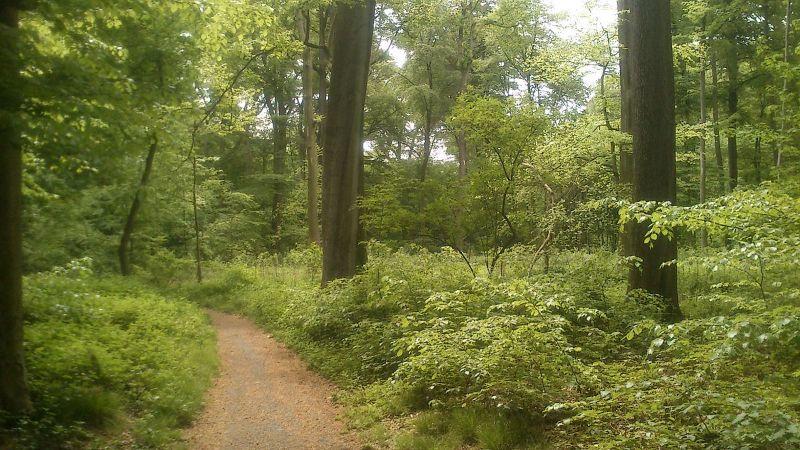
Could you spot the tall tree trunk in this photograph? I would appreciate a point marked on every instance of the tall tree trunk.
(323, 57)
(461, 145)
(426, 156)
(280, 123)
(624, 30)
(625, 152)
(14, 397)
(426, 145)
(759, 140)
(309, 139)
(343, 158)
(703, 170)
(324, 14)
(732, 66)
(428, 130)
(197, 254)
(652, 89)
(786, 53)
(123, 251)
(607, 119)
(715, 123)
(464, 44)
(463, 154)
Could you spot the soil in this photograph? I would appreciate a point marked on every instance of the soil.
(265, 397)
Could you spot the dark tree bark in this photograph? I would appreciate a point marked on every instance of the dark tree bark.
(280, 124)
(14, 397)
(757, 145)
(703, 169)
(343, 163)
(778, 153)
(461, 138)
(427, 141)
(123, 251)
(624, 31)
(309, 138)
(463, 154)
(614, 164)
(715, 123)
(732, 66)
(197, 254)
(323, 55)
(625, 154)
(464, 43)
(652, 91)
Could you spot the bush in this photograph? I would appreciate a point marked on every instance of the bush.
(110, 355)
(503, 346)
(568, 357)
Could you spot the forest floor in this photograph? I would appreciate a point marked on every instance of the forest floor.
(265, 397)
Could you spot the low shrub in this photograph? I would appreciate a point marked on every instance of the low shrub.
(110, 362)
(433, 357)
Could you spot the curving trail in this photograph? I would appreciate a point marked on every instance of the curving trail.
(265, 397)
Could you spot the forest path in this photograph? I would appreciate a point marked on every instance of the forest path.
(265, 397)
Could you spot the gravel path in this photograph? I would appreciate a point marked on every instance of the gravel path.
(265, 397)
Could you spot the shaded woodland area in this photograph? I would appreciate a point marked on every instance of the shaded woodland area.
(489, 230)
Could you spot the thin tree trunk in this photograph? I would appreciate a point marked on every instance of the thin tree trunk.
(759, 140)
(324, 13)
(732, 66)
(625, 154)
(279, 141)
(607, 119)
(715, 119)
(550, 201)
(426, 154)
(428, 130)
(465, 69)
(197, 255)
(14, 396)
(786, 53)
(463, 155)
(653, 128)
(309, 139)
(343, 253)
(123, 251)
(757, 159)
(426, 145)
(323, 56)
(703, 170)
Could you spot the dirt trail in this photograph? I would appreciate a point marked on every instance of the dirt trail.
(265, 397)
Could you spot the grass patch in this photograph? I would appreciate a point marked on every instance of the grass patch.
(470, 428)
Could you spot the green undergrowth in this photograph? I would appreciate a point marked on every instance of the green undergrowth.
(111, 363)
(431, 357)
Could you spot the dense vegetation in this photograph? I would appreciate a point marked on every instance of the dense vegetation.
(489, 230)
(111, 362)
(563, 359)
